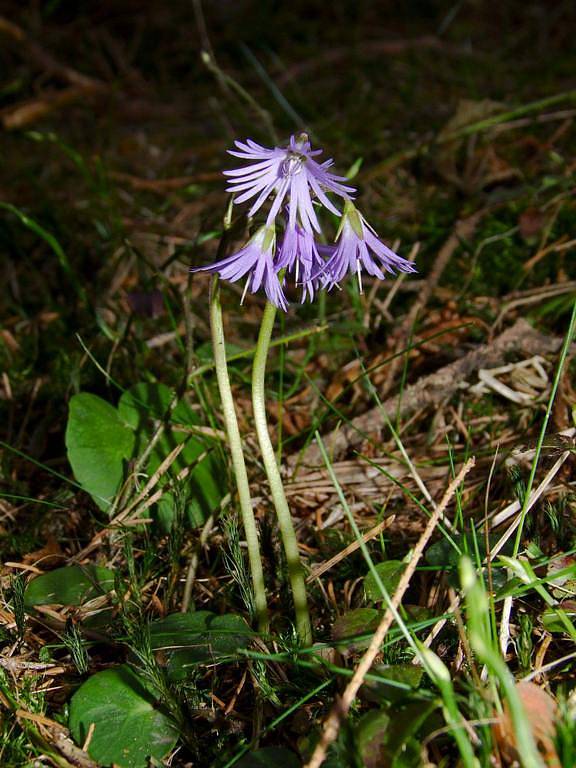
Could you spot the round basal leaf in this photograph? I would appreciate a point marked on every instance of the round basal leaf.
(442, 554)
(371, 733)
(187, 639)
(269, 757)
(128, 728)
(208, 486)
(98, 444)
(72, 585)
(353, 624)
(410, 723)
(392, 737)
(146, 402)
(398, 681)
(390, 573)
(205, 486)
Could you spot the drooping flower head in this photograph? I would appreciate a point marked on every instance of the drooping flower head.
(256, 260)
(359, 248)
(296, 185)
(298, 254)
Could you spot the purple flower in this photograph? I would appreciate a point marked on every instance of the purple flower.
(293, 179)
(256, 260)
(360, 248)
(284, 171)
(299, 253)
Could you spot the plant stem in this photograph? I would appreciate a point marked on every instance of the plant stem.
(295, 570)
(238, 464)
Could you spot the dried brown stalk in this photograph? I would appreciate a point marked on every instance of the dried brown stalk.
(434, 389)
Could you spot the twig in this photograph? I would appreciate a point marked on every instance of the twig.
(328, 564)
(433, 389)
(533, 297)
(163, 186)
(342, 705)
(80, 85)
(193, 565)
(463, 230)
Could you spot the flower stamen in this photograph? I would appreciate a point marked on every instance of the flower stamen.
(245, 291)
(292, 164)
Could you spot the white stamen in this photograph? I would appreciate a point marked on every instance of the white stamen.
(245, 291)
(297, 273)
(359, 273)
(292, 164)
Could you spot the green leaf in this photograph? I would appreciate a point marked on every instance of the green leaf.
(98, 444)
(128, 727)
(404, 736)
(371, 738)
(148, 401)
(390, 737)
(187, 639)
(72, 585)
(269, 757)
(100, 438)
(360, 621)
(554, 619)
(390, 573)
(398, 681)
(205, 486)
(444, 556)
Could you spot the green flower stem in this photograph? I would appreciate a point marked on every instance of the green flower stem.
(295, 570)
(238, 465)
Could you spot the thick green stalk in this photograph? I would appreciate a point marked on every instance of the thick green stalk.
(238, 465)
(295, 570)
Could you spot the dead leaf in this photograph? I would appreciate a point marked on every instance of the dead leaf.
(49, 556)
(541, 710)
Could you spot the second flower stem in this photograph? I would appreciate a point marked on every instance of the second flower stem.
(237, 455)
(295, 570)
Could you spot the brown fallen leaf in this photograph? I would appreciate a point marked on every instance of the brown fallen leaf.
(541, 711)
(49, 556)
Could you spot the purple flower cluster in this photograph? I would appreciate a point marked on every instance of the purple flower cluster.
(297, 183)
